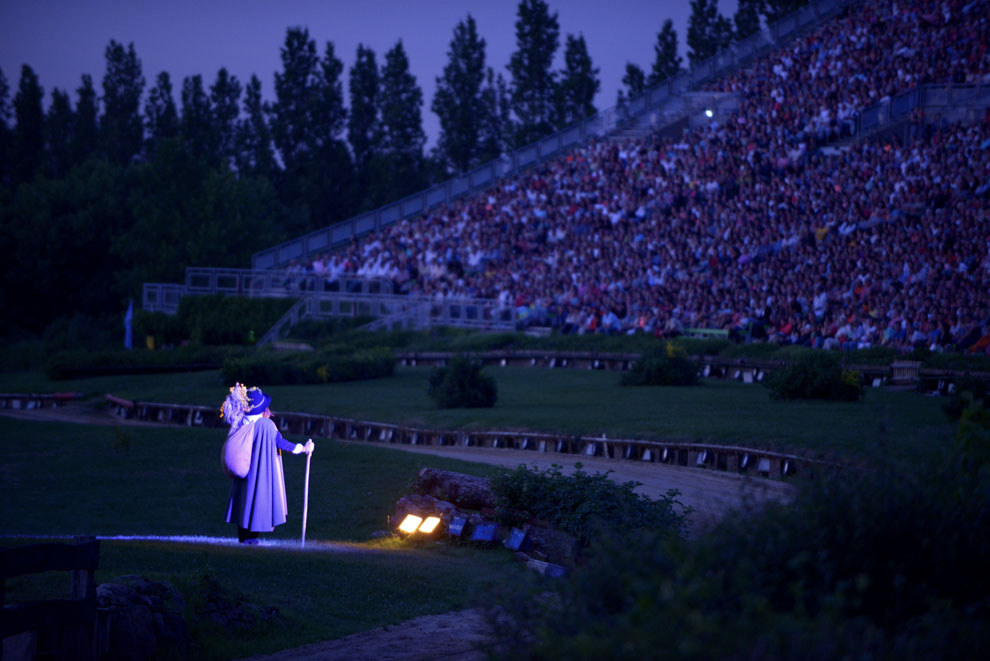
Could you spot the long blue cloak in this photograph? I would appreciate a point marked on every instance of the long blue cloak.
(257, 501)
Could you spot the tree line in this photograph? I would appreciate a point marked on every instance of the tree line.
(122, 185)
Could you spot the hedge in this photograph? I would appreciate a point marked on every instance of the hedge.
(270, 368)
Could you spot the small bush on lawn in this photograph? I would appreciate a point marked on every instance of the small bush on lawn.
(270, 368)
(816, 375)
(668, 366)
(462, 384)
(969, 391)
(581, 504)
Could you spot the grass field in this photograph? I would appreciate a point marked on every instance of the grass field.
(62, 479)
(580, 402)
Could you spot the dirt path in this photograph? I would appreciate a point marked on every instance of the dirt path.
(464, 635)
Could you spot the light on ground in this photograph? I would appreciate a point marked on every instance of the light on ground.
(429, 525)
(410, 523)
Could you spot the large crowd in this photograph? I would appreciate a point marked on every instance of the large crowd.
(758, 224)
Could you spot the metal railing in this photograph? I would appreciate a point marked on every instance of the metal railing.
(395, 312)
(158, 297)
(526, 157)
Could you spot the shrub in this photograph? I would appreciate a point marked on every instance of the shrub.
(229, 319)
(816, 375)
(462, 384)
(81, 364)
(668, 366)
(969, 390)
(886, 564)
(270, 368)
(581, 504)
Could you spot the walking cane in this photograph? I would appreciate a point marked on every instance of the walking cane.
(309, 455)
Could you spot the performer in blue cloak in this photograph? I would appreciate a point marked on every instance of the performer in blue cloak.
(253, 459)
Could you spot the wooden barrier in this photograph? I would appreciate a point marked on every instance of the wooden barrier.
(30, 401)
(66, 628)
(700, 456)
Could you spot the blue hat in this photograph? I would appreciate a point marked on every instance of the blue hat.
(257, 402)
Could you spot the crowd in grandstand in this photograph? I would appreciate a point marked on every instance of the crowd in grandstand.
(756, 224)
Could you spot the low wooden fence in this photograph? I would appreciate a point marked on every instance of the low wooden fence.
(36, 400)
(704, 456)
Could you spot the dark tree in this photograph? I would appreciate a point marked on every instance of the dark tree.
(58, 135)
(160, 113)
(86, 133)
(578, 84)
(330, 115)
(225, 99)
(196, 127)
(29, 139)
(708, 30)
(121, 128)
(774, 10)
(534, 86)
(494, 132)
(666, 61)
(6, 135)
(296, 95)
(363, 123)
(458, 99)
(747, 18)
(401, 102)
(254, 138)
(635, 82)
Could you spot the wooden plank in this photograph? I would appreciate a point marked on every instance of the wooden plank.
(37, 558)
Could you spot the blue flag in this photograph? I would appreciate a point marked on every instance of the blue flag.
(128, 343)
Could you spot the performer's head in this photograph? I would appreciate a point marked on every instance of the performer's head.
(257, 402)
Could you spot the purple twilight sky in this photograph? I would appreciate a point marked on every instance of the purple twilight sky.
(63, 39)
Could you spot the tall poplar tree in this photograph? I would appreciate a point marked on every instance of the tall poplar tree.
(774, 10)
(225, 100)
(533, 87)
(196, 127)
(578, 84)
(121, 126)
(747, 18)
(296, 96)
(458, 102)
(635, 81)
(6, 134)
(494, 135)
(708, 30)
(58, 135)
(29, 139)
(160, 113)
(254, 137)
(401, 103)
(86, 133)
(666, 61)
(364, 132)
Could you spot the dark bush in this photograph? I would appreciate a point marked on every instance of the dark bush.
(969, 390)
(82, 364)
(316, 367)
(462, 384)
(581, 504)
(668, 366)
(229, 319)
(815, 375)
(883, 564)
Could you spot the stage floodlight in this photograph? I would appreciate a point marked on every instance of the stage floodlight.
(429, 525)
(410, 523)
(709, 113)
(456, 527)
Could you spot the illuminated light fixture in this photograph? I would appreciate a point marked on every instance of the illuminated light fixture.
(665, 455)
(410, 524)
(787, 468)
(484, 532)
(429, 525)
(745, 461)
(709, 113)
(704, 457)
(764, 466)
(413, 523)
